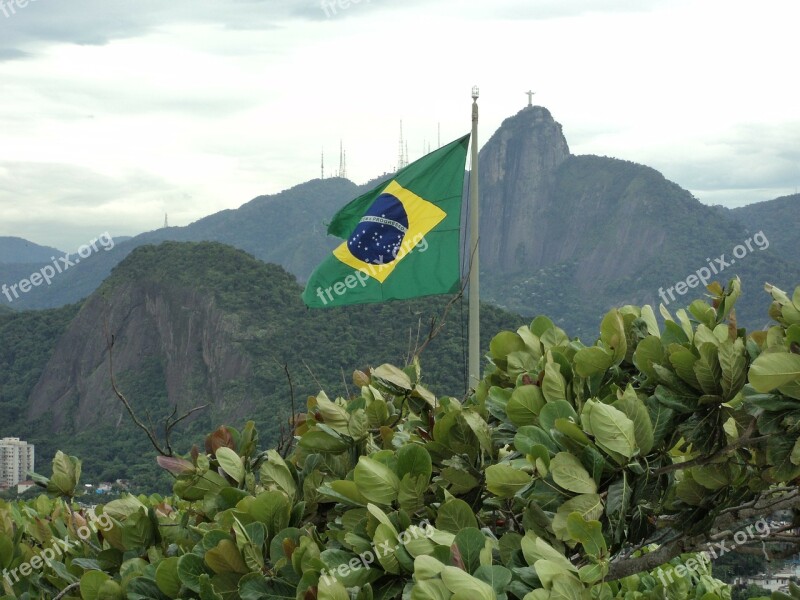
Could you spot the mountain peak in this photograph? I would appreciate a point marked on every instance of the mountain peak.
(518, 170)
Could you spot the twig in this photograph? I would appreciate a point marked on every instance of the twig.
(169, 423)
(346, 387)
(745, 439)
(314, 377)
(682, 544)
(291, 397)
(67, 589)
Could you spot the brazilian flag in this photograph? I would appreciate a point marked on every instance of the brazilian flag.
(401, 239)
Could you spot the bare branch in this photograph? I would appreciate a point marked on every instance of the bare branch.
(169, 423)
(744, 440)
(67, 590)
(121, 396)
(721, 530)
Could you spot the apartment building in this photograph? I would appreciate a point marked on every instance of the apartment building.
(16, 461)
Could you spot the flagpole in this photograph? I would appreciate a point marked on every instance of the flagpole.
(474, 284)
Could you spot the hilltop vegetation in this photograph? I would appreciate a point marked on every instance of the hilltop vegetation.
(164, 296)
(574, 472)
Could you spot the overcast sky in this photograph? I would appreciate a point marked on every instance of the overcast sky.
(113, 112)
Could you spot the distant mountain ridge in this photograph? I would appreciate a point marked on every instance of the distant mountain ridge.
(562, 235)
(18, 250)
(201, 324)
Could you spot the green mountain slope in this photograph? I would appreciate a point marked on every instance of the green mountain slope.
(203, 323)
(779, 219)
(18, 250)
(572, 236)
(565, 235)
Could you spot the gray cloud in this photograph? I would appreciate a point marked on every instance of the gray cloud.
(97, 22)
(60, 205)
(752, 157)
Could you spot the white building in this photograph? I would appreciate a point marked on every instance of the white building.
(16, 461)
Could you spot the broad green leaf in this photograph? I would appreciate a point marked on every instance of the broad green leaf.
(391, 377)
(254, 586)
(496, 576)
(552, 411)
(333, 414)
(593, 361)
(144, 588)
(190, 567)
(455, 515)
(794, 458)
(779, 453)
(612, 429)
(386, 537)
(504, 343)
(429, 589)
(593, 573)
(589, 506)
(479, 427)
(460, 582)
(66, 474)
(470, 543)
(411, 494)
(167, 578)
(415, 460)
(773, 370)
(225, 558)
(683, 361)
(319, 441)
(426, 567)
(570, 474)
(345, 491)
(535, 548)
(505, 481)
(91, 582)
(612, 334)
(712, 477)
(649, 351)
(649, 317)
(275, 471)
(231, 463)
(524, 405)
(529, 436)
(572, 431)
(690, 491)
(330, 588)
(553, 384)
(567, 587)
(588, 533)
(376, 482)
(636, 411)
(273, 509)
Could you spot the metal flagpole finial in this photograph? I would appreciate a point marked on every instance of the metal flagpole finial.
(475, 92)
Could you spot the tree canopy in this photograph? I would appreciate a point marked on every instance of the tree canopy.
(616, 470)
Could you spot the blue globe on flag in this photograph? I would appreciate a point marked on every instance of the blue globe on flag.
(379, 234)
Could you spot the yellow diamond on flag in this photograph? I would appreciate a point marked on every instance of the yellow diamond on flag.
(394, 224)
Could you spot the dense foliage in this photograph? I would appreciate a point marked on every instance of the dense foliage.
(574, 472)
(273, 329)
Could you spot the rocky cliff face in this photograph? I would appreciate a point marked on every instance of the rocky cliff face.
(177, 332)
(518, 173)
(542, 207)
